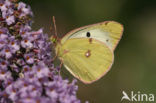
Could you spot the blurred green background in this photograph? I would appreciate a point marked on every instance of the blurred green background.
(135, 57)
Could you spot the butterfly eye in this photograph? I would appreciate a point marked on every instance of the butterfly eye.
(88, 34)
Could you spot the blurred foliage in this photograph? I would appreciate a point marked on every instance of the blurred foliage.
(135, 57)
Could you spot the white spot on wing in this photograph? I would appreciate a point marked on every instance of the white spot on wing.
(95, 34)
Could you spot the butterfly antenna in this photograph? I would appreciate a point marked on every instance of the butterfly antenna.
(55, 26)
(51, 29)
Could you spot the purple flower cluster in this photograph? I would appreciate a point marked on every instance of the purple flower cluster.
(27, 74)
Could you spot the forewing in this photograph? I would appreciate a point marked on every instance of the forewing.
(88, 60)
(108, 32)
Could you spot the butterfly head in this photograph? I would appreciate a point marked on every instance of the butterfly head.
(54, 39)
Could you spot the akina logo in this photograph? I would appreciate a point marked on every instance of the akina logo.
(137, 96)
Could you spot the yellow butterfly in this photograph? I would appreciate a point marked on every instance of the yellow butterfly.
(88, 52)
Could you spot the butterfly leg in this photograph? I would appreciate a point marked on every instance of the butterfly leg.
(60, 66)
(54, 58)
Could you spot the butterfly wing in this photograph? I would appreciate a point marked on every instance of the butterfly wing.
(108, 32)
(86, 60)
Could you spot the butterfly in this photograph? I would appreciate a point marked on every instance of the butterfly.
(88, 52)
